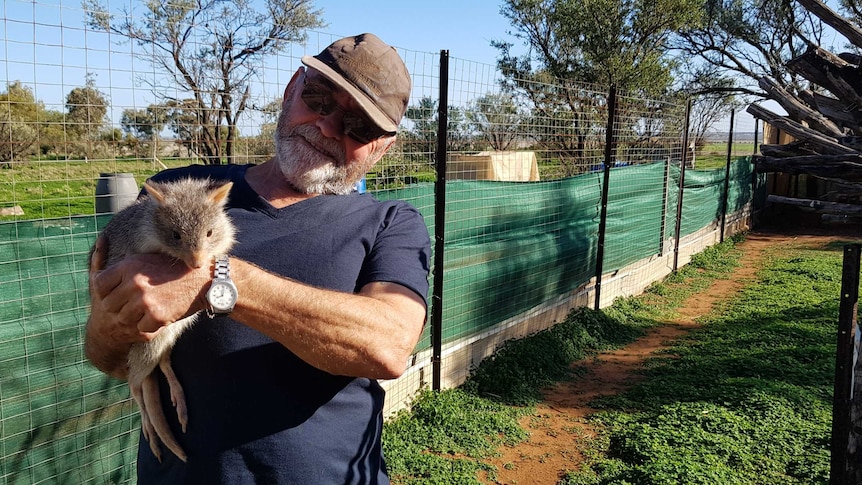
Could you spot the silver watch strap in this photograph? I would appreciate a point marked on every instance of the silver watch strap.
(222, 267)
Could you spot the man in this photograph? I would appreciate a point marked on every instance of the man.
(331, 285)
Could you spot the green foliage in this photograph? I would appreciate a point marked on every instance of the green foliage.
(763, 439)
(746, 399)
(144, 123)
(717, 259)
(498, 120)
(518, 371)
(606, 42)
(421, 137)
(445, 435)
(19, 122)
(87, 107)
(765, 33)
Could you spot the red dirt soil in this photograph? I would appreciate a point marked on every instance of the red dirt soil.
(558, 427)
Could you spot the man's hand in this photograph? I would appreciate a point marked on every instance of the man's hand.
(134, 298)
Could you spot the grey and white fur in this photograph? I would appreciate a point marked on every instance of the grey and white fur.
(186, 220)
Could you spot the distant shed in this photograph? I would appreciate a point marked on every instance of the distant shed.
(508, 166)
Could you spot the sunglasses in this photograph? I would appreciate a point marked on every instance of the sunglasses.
(318, 98)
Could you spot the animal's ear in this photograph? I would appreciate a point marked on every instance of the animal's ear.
(220, 194)
(154, 192)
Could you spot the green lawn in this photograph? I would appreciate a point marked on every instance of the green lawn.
(714, 155)
(64, 188)
(744, 400)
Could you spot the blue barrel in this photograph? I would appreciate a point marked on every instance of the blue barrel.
(360, 186)
(115, 191)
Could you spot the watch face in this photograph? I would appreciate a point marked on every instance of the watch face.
(222, 296)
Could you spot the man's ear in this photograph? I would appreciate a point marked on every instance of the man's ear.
(382, 145)
(290, 85)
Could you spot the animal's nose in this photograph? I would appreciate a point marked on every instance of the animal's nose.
(196, 260)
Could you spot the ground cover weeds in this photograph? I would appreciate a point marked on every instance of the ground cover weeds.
(445, 436)
(746, 399)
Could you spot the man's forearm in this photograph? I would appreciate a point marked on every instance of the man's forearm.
(370, 334)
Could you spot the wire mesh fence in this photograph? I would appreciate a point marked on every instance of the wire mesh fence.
(550, 191)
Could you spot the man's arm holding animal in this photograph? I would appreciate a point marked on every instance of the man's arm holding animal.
(120, 300)
(369, 334)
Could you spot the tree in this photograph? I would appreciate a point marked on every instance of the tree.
(144, 123)
(713, 98)
(183, 121)
(53, 139)
(260, 146)
(211, 49)
(497, 119)
(743, 41)
(86, 108)
(825, 119)
(576, 50)
(19, 114)
(620, 42)
(425, 120)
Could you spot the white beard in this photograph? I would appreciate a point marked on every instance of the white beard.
(314, 164)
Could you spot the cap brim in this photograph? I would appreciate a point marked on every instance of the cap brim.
(374, 113)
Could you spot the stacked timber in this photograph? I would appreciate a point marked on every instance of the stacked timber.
(825, 122)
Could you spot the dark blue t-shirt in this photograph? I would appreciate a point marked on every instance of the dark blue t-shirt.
(258, 413)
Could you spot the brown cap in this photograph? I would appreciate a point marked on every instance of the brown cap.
(371, 72)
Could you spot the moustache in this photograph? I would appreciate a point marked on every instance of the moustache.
(320, 143)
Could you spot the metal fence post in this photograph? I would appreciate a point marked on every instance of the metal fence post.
(609, 156)
(681, 185)
(439, 223)
(843, 471)
(726, 189)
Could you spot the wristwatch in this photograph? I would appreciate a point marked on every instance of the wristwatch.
(222, 294)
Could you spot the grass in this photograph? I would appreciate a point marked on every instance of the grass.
(714, 155)
(48, 189)
(63, 188)
(446, 435)
(745, 399)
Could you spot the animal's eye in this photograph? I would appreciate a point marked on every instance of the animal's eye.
(177, 236)
(209, 233)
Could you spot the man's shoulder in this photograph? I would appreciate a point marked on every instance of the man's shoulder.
(386, 208)
(212, 172)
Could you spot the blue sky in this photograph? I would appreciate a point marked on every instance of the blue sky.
(463, 27)
(45, 44)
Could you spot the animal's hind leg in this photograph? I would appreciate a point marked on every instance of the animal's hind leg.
(150, 434)
(178, 397)
(152, 398)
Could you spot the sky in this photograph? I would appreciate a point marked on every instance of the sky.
(46, 45)
(463, 27)
(44, 42)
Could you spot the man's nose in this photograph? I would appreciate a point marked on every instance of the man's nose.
(332, 125)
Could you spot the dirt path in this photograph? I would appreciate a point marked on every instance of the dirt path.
(558, 426)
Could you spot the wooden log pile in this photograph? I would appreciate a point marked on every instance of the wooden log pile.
(826, 123)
